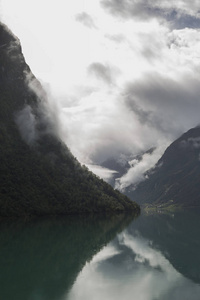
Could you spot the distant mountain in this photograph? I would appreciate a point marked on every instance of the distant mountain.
(38, 174)
(176, 178)
(119, 165)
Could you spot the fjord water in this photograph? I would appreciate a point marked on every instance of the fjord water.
(151, 257)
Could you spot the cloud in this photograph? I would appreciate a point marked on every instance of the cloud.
(26, 122)
(102, 172)
(179, 14)
(103, 72)
(129, 9)
(40, 117)
(153, 44)
(165, 103)
(136, 173)
(183, 21)
(46, 109)
(133, 110)
(131, 85)
(86, 20)
(102, 126)
(117, 38)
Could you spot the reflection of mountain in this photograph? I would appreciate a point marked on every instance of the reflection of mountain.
(154, 258)
(41, 259)
(177, 237)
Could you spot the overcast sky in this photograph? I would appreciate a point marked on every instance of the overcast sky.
(124, 74)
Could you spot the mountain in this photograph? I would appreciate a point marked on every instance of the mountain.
(175, 178)
(119, 165)
(38, 173)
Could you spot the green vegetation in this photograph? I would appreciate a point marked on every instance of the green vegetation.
(38, 174)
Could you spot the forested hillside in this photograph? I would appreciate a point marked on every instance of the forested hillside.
(38, 173)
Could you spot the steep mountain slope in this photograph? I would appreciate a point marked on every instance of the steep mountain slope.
(176, 178)
(38, 174)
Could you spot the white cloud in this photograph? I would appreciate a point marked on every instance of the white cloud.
(102, 172)
(137, 170)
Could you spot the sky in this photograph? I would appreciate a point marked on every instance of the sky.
(124, 75)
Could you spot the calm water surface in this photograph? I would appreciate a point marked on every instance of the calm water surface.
(154, 257)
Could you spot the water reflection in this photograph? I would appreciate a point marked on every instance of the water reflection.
(40, 259)
(177, 236)
(155, 258)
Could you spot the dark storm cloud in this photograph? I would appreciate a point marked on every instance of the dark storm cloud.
(85, 19)
(177, 17)
(101, 71)
(166, 104)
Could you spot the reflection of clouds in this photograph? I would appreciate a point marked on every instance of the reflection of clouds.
(142, 248)
(132, 269)
(105, 253)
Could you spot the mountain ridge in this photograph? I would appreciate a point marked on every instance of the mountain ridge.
(175, 178)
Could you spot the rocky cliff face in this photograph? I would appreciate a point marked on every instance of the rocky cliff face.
(176, 178)
(38, 173)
